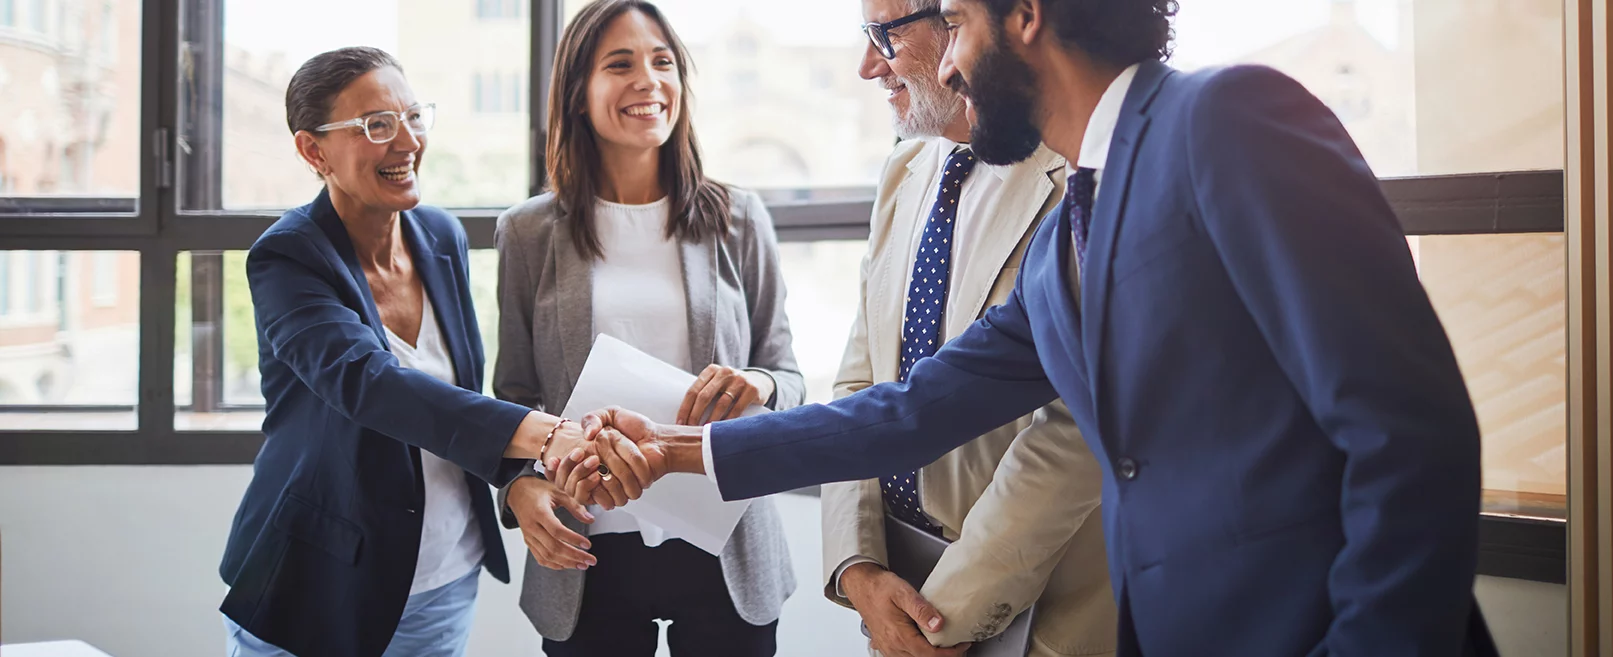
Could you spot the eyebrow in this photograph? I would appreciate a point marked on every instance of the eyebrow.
(373, 113)
(629, 51)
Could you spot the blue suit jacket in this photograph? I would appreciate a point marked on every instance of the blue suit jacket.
(1291, 458)
(322, 552)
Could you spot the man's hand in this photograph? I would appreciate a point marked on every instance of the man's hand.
(553, 545)
(579, 473)
(893, 612)
(631, 468)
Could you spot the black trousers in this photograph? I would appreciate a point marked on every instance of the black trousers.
(634, 585)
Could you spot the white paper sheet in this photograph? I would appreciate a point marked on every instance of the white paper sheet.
(686, 506)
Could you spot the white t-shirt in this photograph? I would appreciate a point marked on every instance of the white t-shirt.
(639, 299)
(450, 544)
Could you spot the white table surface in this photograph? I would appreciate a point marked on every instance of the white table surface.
(51, 649)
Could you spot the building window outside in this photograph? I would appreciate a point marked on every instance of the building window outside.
(499, 9)
(105, 279)
(30, 282)
(5, 283)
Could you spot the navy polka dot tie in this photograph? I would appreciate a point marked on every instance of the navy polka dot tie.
(1078, 195)
(921, 326)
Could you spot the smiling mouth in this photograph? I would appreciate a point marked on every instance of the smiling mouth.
(398, 173)
(644, 110)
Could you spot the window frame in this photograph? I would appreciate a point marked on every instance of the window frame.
(152, 224)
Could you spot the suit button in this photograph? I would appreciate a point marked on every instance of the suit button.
(1128, 469)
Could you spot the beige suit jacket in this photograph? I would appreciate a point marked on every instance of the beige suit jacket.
(1021, 502)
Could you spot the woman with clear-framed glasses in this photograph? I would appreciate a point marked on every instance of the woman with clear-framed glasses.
(369, 519)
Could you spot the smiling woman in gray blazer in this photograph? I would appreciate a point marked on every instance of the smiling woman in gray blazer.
(636, 243)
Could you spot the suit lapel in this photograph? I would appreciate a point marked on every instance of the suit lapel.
(575, 281)
(700, 289)
(436, 272)
(1110, 209)
(1024, 191)
(324, 215)
(887, 285)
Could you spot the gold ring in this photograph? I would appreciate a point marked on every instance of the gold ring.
(604, 474)
(729, 395)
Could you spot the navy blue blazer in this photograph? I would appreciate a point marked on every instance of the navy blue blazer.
(1291, 459)
(322, 551)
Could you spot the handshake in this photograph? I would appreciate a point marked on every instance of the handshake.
(612, 456)
(609, 458)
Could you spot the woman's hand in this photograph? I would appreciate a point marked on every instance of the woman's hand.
(582, 472)
(725, 393)
(534, 502)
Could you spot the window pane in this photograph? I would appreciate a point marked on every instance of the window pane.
(822, 279)
(69, 339)
(244, 158)
(777, 99)
(216, 344)
(1501, 299)
(70, 98)
(1425, 86)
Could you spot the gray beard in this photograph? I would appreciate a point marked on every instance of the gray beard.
(929, 112)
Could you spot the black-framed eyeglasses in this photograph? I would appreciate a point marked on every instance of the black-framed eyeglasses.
(880, 33)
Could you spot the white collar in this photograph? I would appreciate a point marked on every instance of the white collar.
(1101, 127)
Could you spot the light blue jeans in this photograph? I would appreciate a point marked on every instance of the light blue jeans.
(435, 623)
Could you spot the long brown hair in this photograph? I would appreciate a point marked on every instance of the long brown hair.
(700, 207)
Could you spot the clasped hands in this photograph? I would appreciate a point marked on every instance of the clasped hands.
(620, 453)
(612, 455)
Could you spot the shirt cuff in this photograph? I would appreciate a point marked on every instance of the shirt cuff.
(841, 570)
(705, 453)
(772, 400)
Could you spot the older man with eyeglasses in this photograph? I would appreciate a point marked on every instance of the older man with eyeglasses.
(1020, 503)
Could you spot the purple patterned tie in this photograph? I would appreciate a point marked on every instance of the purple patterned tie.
(1078, 202)
(921, 326)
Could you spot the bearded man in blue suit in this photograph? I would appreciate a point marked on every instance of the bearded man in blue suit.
(1227, 305)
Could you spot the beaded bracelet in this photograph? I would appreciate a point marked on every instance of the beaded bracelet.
(543, 453)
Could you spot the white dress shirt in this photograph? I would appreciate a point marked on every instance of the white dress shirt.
(1101, 127)
(639, 299)
(982, 184)
(450, 545)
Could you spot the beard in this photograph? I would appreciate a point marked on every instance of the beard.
(1004, 98)
(931, 107)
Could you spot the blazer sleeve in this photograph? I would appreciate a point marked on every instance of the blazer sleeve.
(771, 349)
(986, 377)
(1045, 489)
(1321, 264)
(515, 372)
(853, 511)
(305, 323)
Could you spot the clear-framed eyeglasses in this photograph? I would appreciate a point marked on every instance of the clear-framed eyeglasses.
(382, 127)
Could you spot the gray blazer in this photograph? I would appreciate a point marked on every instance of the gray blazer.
(735, 292)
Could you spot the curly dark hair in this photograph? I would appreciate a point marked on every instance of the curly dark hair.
(1116, 32)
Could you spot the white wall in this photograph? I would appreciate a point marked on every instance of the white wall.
(126, 558)
(1528, 619)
